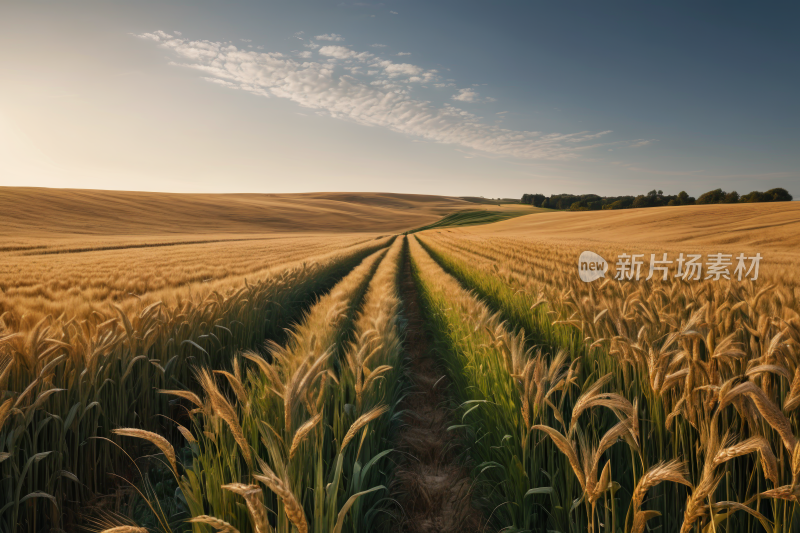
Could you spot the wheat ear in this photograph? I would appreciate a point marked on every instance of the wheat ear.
(220, 525)
(293, 509)
(253, 496)
(302, 432)
(362, 421)
(162, 443)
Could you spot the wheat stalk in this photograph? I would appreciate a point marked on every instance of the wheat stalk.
(362, 421)
(674, 471)
(226, 411)
(254, 498)
(293, 510)
(220, 525)
(5, 411)
(186, 395)
(302, 432)
(186, 434)
(162, 443)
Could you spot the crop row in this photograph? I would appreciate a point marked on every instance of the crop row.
(684, 394)
(310, 422)
(64, 383)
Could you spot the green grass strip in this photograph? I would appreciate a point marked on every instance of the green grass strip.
(473, 217)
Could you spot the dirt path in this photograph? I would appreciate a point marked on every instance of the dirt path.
(432, 489)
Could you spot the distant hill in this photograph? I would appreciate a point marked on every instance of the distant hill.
(490, 201)
(27, 212)
(774, 226)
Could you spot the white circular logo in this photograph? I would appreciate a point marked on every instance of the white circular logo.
(591, 266)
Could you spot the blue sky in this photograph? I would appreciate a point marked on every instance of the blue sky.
(462, 98)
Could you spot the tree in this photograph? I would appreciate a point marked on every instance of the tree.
(654, 198)
(643, 201)
(779, 195)
(712, 197)
(753, 197)
(731, 198)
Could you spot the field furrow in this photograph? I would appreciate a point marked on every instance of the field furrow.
(431, 486)
(493, 409)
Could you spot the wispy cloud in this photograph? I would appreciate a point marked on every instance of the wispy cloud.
(342, 52)
(380, 97)
(403, 53)
(641, 142)
(470, 95)
(377, 45)
(465, 95)
(329, 37)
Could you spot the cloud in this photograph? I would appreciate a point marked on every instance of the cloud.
(246, 40)
(404, 53)
(394, 12)
(177, 32)
(466, 95)
(376, 45)
(305, 54)
(342, 52)
(394, 70)
(329, 37)
(641, 142)
(317, 86)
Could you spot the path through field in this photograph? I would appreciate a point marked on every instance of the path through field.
(433, 490)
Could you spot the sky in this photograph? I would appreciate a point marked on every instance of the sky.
(452, 97)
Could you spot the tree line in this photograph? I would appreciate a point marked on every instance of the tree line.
(654, 198)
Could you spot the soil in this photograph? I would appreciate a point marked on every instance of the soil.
(432, 488)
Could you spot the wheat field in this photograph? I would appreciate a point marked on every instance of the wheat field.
(256, 381)
(625, 405)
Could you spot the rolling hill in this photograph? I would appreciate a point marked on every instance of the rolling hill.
(767, 225)
(27, 212)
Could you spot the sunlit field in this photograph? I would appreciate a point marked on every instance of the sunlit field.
(75, 282)
(570, 304)
(621, 405)
(457, 378)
